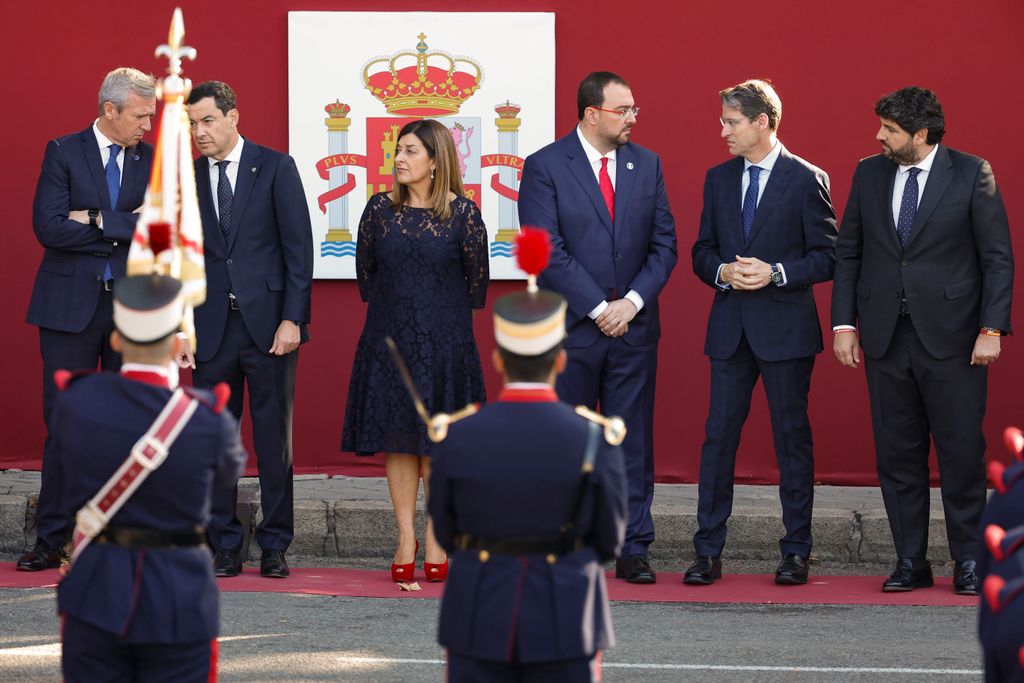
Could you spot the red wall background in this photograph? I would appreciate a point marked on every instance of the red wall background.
(830, 61)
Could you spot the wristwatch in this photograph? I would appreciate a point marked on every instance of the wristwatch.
(776, 274)
(992, 331)
(94, 218)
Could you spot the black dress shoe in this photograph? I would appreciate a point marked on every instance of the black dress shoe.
(792, 571)
(42, 556)
(634, 569)
(965, 578)
(273, 565)
(704, 571)
(906, 578)
(227, 563)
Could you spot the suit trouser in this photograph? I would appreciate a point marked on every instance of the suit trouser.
(468, 670)
(92, 655)
(913, 395)
(271, 385)
(786, 384)
(68, 351)
(619, 379)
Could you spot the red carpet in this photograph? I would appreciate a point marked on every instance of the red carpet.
(733, 588)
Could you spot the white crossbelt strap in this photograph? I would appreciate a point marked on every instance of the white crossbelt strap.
(147, 454)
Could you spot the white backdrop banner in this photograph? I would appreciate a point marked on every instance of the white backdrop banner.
(355, 78)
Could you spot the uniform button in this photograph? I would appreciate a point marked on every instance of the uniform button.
(115, 243)
(230, 262)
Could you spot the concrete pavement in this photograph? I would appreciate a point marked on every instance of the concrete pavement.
(347, 521)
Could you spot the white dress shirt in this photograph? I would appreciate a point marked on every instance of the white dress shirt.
(766, 165)
(594, 157)
(234, 156)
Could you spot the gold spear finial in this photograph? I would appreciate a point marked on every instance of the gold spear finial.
(174, 85)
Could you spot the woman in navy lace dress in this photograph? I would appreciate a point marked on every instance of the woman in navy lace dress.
(422, 265)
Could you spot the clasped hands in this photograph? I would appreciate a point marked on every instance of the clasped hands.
(746, 273)
(615, 318)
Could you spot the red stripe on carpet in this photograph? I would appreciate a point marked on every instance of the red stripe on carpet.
(732, 588)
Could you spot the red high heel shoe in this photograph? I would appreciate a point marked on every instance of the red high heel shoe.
(436, 573)
(403, 573)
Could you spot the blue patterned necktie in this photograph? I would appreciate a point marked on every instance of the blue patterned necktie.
(908, 207)
(224, 199)
(114, 190)
(750, 201)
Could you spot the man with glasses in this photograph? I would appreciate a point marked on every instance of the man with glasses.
(767, 235)
(613, 238)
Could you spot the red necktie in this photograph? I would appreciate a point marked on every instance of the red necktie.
(606, 188)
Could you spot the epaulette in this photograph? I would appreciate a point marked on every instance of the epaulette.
(614, 427)
(221, 394)
(1003, 542)
(62, 378)
(437, 427)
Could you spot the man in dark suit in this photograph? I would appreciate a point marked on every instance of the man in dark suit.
(84, 214)
(925, 266)
(528, 496)
(767, 235)
(140, 601)
(259, 268)
(613, 237)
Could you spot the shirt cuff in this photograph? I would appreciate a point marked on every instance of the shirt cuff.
(637, 300)
(598, 310)
(718, 279)
(782, 270)
(99, 221)
(837, 328)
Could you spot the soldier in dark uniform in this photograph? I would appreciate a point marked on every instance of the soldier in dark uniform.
(1001, 569)
(528, 496)
(140, 602)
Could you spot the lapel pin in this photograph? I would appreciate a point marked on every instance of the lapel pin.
(629, 165)
(135, 157)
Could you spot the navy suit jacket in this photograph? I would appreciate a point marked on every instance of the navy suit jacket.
(592, 258)
(956, 270)
(267, 261)
(794, 225)
(158, 595)
(512, 470)
(70, 277)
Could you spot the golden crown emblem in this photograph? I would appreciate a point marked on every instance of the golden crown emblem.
(421, 83)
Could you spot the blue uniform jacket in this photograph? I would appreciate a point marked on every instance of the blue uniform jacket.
(155, 595)
(513, 470)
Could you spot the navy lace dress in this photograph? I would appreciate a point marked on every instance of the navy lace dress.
(421, 278)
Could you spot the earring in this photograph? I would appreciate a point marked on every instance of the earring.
(431, 174)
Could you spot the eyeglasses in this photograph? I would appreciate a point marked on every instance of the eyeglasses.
(731, 123)
(623, 113)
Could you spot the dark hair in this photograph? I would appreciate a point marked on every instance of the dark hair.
(440, 146)
(591, 90)
(753, 98)
(222, 94)
(914, 108)
(529, 368)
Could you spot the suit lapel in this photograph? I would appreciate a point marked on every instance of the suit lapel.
(733, 209)
(211, 229)
(580, 167)
(91, 152)
(886, 186)
(625, 174)
(248, 169)
(773, 190)
(939, 177)
(130, 174)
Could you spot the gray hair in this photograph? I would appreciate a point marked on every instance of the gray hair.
(753, 98)
(122, 81)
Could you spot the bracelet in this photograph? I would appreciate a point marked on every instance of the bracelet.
(991, 332)
(842, 330)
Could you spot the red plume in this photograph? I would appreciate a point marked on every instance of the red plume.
(532, 250)
(159, 237)
(994, 535)
(1014, 440)
(991, 588)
